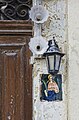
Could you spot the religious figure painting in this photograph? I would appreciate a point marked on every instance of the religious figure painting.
(51, 87)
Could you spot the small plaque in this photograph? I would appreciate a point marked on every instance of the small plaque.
(51, 87)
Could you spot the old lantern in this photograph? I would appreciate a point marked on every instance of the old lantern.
(53, 57)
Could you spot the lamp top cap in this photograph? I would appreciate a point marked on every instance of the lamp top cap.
(53, 43)
(53, 48)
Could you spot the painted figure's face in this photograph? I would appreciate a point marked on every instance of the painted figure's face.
(50, 78)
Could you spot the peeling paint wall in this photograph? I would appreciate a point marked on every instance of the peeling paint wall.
(55, 26)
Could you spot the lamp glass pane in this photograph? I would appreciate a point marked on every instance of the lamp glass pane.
(51, 62)
(57, 62)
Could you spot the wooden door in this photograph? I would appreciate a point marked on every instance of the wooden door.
(15, 71)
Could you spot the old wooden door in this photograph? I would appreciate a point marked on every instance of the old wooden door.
(15, 71)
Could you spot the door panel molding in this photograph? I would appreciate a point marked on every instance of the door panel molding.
(16, 27)
(15, 72)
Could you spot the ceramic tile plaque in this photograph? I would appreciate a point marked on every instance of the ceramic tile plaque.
(51, 87)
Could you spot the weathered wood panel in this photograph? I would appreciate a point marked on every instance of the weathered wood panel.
(15, 75)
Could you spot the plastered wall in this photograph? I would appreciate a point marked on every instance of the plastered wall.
(55, 26)
(73, 38)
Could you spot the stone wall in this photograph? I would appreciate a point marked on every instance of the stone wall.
(55, 26)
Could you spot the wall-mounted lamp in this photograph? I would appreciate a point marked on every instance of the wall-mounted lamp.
(53, 57)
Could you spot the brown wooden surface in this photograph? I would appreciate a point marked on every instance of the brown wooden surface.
(15, 71)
